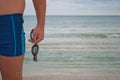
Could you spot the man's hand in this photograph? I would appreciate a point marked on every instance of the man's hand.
(38, 35)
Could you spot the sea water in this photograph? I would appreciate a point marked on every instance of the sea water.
(75, 45)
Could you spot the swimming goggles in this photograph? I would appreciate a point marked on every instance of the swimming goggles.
(35, 48)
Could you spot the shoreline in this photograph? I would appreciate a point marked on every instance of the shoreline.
(70, 77)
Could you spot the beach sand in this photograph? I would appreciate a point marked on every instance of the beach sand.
(70, 78)
(58, 77)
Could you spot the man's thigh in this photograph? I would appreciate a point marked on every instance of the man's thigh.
(11, 67)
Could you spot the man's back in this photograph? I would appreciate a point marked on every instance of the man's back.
(11, 6)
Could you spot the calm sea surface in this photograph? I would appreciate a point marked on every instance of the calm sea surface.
(75, 45)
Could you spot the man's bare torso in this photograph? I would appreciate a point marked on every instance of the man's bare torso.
(11, 6)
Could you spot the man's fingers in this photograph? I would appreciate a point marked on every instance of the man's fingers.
(38, 40)
(37, 36)
(30, 40)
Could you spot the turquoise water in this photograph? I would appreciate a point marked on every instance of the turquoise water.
(76, 45)
(78, 26)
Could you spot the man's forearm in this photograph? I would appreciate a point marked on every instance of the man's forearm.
(40, 8)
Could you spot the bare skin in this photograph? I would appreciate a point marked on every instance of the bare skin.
(13, 6)
(11, 67)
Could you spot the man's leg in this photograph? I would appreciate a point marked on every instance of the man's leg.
(11, 67)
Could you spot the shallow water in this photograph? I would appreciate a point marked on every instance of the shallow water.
(76, 45)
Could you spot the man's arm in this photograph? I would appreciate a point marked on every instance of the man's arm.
(40, 9)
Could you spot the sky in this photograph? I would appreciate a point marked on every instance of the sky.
(77, 7)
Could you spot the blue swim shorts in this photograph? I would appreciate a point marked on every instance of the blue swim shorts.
(12, 35)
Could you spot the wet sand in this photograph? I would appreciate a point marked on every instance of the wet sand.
(56, 77)
(59, 77)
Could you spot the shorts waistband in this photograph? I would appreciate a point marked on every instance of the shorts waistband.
(7, 15)
(6, 19)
